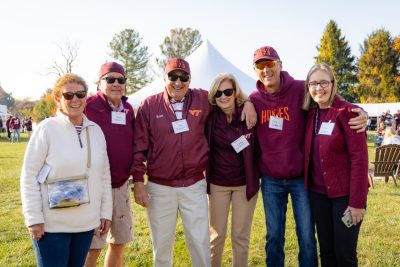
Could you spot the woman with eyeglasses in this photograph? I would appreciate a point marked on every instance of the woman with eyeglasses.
(336, 168)
(232, 176)
(65, 180)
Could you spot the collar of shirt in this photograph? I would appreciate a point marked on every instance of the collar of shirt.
(120, 107)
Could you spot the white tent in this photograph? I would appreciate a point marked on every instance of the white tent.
(205, 63)
(376, 109)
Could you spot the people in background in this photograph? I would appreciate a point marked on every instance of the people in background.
(379, 133)
(336, 168)
(232, 176)
(8, 125)
(28, 126)
(65, 180)
(15, 126)
(390, 137)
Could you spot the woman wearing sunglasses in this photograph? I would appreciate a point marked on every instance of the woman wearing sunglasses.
(232, 176)
(65, 180)
(336, 168)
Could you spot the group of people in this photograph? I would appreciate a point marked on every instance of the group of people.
(388, 130)
(14, 126)
(288, 137)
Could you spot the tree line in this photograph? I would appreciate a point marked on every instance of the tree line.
(373, 77)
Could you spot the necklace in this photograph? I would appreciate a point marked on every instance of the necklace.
(316, 122)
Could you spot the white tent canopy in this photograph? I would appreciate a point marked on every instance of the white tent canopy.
(376, 109)
(205, 63)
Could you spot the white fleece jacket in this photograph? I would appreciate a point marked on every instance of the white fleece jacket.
(55, 142)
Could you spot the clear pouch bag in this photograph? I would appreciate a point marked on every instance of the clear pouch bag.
(68, 192)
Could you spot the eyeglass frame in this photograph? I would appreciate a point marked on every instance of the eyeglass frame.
(314, 85)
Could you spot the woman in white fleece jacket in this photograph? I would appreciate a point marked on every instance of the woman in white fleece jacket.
(62, 236)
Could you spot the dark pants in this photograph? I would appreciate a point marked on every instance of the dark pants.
(62, 249)
(8, 133)
(337, 243)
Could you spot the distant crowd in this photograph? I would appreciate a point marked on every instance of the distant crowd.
(388, 130)
(14, 126)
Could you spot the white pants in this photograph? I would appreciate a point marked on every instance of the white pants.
(162, 212)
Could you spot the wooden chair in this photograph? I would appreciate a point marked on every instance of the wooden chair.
(387, 163)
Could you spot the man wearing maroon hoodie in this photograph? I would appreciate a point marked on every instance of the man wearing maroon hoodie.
(281, 124)
(111, 111)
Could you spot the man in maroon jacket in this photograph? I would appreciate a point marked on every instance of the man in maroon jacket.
(169, 135)
(111, 111)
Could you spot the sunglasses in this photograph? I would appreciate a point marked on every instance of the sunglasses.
(70, 95)
(173, 77)
(265, 63)
(111, 80)
(226, 92)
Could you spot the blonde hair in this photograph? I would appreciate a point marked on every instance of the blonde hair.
(389, 132)
(66, 79)
(240, 97)
(308, 102)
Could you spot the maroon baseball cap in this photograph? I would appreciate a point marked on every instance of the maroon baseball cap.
(265, 52)
(111, 67)
(177, 64)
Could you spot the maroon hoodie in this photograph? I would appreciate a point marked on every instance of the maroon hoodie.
(119, 138)
(281, 152)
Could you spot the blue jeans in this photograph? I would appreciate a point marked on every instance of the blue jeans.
(62, 249)
(275, 197)
(15, 135)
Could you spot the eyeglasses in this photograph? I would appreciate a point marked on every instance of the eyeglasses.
(265, 63)
(323, 84)
(111, 80)
(173, 77)
(226, 92)
(70, 95)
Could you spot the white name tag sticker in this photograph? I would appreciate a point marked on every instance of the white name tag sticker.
(326, 128)
(275, 123)
(118, 118)
(240, 144)
(180, 126)
(43, 173)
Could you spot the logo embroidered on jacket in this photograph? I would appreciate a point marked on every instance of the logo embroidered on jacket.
(159, 116)
(195, 112)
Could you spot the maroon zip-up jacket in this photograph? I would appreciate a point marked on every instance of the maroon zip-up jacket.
(176, 160)
(249, 162)
(344, 155)
(119, 138)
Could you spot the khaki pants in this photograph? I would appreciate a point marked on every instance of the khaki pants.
(220, 201)
(162, 212)
(121, 230)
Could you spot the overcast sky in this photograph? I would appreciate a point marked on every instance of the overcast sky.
(30, 31)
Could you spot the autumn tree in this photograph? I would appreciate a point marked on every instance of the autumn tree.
(378, 69)
(335, 51)
(181, 43)
(45, 107)
(127, 48)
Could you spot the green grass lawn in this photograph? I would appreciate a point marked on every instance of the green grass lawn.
(379, 243)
